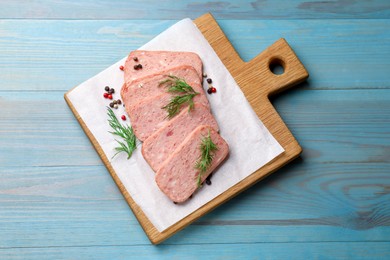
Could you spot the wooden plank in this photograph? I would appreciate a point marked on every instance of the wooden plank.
(324, 250)
(37, 128)
(68, 185)
(35, 55)
(279, 197)
(339, 125)
(227, 9)
(121, 233)
(302, 203)
(327, 250)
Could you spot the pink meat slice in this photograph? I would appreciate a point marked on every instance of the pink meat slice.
(148, 116)
(158, 146)
(156, 61)
(147, 87)
(177, 177)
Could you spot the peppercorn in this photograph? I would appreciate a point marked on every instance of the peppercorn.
(115, 102)
(109, 96)
(135, 59)
(204, 75)
(209, 80)
(137, 66)
(111, 91)
(122, 68)
(208, 179)
(115, 106)
(119, 102)
(111, 105)
(209, 91)
(123, 117)
(213, 90)
(107, 88)
(105, 95)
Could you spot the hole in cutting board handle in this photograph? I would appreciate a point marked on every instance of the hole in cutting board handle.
(276, 66)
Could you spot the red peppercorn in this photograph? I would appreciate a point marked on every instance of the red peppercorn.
(105, 95)
(109, 96)
(121, 67)
(123, 117)
(213, 90)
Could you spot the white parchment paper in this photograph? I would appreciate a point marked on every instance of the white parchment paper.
(251, 144)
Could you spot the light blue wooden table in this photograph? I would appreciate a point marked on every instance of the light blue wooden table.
(57, 200)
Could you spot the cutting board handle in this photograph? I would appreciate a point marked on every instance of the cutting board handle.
(258, 70)
(255, 77)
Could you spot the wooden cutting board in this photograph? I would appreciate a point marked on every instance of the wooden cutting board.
(257, 81)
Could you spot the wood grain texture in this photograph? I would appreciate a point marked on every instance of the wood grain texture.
(310, 203)
(58, 202)
(225, 9)
(257, 90)
(235, 251)
(343, 126)
(339, 54)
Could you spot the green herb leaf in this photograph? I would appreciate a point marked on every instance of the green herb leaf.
(126, 132)
(173, 107)
(208, 149)
(185, 95)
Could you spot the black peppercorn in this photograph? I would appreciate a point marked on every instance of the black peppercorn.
(112, 91)
(209, 91)
(107, 88)
(111, 105)
(209, 81)
(119, 102)
(208, 179)
(137, 66)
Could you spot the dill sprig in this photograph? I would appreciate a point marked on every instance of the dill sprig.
(126, 132)
(185, 95)
(208, 149)
(173, 107)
